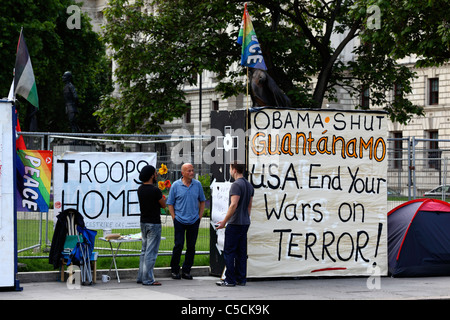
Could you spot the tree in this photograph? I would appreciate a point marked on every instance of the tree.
(158, 53)
(54, 49)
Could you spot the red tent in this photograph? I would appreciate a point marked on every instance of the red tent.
(419, 238)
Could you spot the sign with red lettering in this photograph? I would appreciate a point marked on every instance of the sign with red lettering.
(320, 204)
(34, 177)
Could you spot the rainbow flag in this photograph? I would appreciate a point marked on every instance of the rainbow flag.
(251, 51)
(34, 175)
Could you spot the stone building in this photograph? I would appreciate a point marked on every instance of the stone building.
(431, 89)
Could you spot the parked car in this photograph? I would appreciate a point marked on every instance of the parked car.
(392, 192)
(437, 192)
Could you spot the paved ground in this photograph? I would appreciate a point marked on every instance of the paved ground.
(202, 297)
(203, 287)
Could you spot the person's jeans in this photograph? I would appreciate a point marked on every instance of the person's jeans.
(235, 253)
(151, 237)
(191, 231)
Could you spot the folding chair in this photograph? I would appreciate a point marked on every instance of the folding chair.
(78, 249)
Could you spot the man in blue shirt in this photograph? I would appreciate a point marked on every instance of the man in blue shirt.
(186, 204)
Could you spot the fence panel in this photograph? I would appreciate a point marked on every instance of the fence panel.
(35, 230)
(417, 168)
(399, 174)
(430, 168)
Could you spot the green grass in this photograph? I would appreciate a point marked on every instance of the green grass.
(27, 238)
(28, 235)
(31, 265)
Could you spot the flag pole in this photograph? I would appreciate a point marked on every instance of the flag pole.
(247, 89)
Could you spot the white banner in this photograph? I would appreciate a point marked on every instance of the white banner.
(101, 186)
(220, 193)
(320, 204)
(7, 194)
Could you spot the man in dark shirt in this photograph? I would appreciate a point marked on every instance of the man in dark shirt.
(150, 201)
(238, 218)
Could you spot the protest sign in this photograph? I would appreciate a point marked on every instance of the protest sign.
(8, 241)
(320, 192)
(228, 144)
(101, 186)
(220, 192)
(34, 174)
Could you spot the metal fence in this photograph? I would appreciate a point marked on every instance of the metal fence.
(35, 230)
(416, 168)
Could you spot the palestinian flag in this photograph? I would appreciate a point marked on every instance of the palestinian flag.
(24, 83)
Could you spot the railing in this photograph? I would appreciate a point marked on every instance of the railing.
(416, 169)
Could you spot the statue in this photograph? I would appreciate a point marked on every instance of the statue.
(32, 118)
(71, 100)
(265, 92)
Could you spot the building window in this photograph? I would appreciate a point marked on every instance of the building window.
(187, 116)
(398, 149)
(215, 105)
(365, 95)
(434, 154)
(434, 91)
(161, 150)
(398, 92)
